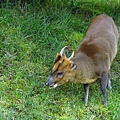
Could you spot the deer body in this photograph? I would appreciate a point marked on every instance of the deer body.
(97, 50)
(92, 60)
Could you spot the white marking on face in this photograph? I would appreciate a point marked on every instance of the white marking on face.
(54, 86)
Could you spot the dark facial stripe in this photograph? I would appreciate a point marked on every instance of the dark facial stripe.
(52, 72)
(57, 59)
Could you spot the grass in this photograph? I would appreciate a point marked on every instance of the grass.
(30, 36)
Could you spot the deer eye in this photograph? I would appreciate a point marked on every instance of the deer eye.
(59, 74)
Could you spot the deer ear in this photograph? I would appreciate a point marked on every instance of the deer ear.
(73, 66)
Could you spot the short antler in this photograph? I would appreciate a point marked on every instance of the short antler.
(62, 52)
(71, 55)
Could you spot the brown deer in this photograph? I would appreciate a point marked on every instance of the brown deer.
(92, 60)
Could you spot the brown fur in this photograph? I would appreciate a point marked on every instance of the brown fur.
(94, 55)
(92, 60)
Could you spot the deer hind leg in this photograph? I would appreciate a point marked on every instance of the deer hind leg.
(86, 91)
(103, 84)
(109, 82)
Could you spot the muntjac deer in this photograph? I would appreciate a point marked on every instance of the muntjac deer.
(92, 60)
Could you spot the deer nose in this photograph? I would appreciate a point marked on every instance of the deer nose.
(47, 83)
(49, 80)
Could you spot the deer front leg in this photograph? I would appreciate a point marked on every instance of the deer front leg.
(103, 84)
(86, 91)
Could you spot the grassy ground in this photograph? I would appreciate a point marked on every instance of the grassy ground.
(30, 36)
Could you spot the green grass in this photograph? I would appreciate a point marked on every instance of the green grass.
(30, 36)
